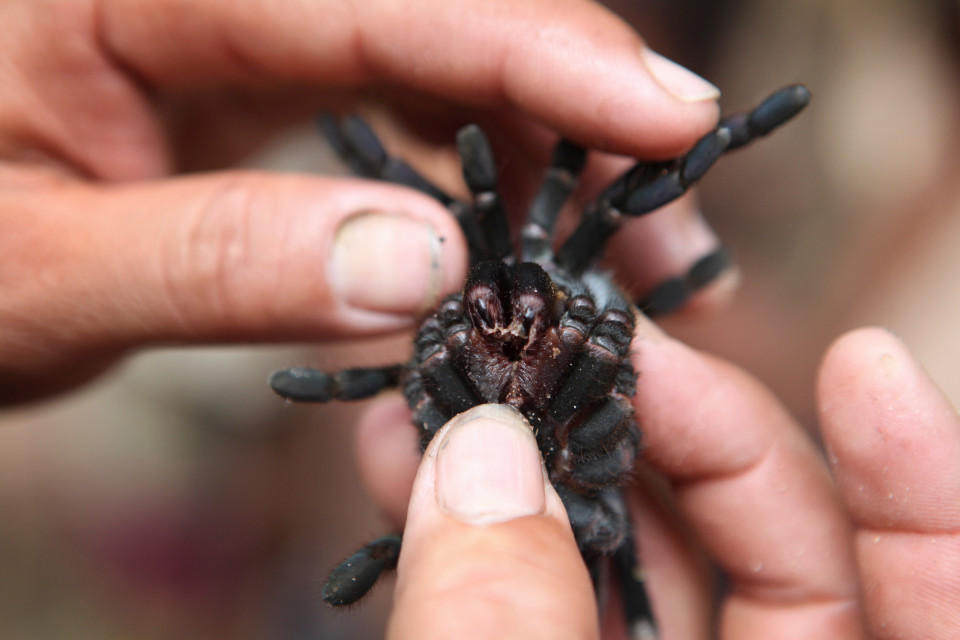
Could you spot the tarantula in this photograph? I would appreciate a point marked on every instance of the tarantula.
(544, 332)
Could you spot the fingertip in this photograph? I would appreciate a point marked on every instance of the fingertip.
(480, 468)
(586, 73)
(393, 251)
(842, 362)
(678, 81)
(860, 367)
(893, 438)
(636, 103)
(487, 545)
(370, 270)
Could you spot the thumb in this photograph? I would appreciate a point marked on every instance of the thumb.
(488, 550)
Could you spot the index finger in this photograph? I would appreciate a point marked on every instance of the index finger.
(571, 64)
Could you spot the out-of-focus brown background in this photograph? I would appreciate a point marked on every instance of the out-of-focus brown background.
(178, 498)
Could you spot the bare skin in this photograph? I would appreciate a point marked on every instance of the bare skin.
(106, 249)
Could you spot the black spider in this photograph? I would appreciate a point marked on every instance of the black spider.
(544, 332)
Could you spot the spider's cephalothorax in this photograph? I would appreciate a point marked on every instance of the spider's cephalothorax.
(543, 331)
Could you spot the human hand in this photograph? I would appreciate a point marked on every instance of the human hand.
(104, 251)
(746, 487)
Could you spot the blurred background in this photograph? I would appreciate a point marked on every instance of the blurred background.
(176, 497)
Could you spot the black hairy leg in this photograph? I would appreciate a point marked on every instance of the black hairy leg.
(547, 333)
(637, 608)
(312, 385)
(559, 181)
(673, 293)
(646, 187)
(356, 575)
(358, 146)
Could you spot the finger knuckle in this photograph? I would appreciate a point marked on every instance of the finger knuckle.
(210, 256)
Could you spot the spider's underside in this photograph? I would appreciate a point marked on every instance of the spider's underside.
(543, 331)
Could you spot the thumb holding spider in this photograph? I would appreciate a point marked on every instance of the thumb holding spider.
(488, 550)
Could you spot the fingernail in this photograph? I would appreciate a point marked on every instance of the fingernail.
(489, 468)
(387, 263)
(679, 81)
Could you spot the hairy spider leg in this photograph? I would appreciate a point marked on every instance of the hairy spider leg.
(777, 109)
(640, 190)
(598, 445)
(356, 575)
(480, 174)
(597, 440)
(443, 380)
(559, 181)
(359, 147)
(609, 418)
(603, 522)
(433, 374)
(633, 590)
(599, 521)
(435, 377)
(596, 368)
(312, 385)
(781, 106)
(597, 466)
(648, 186)
(673, 293)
